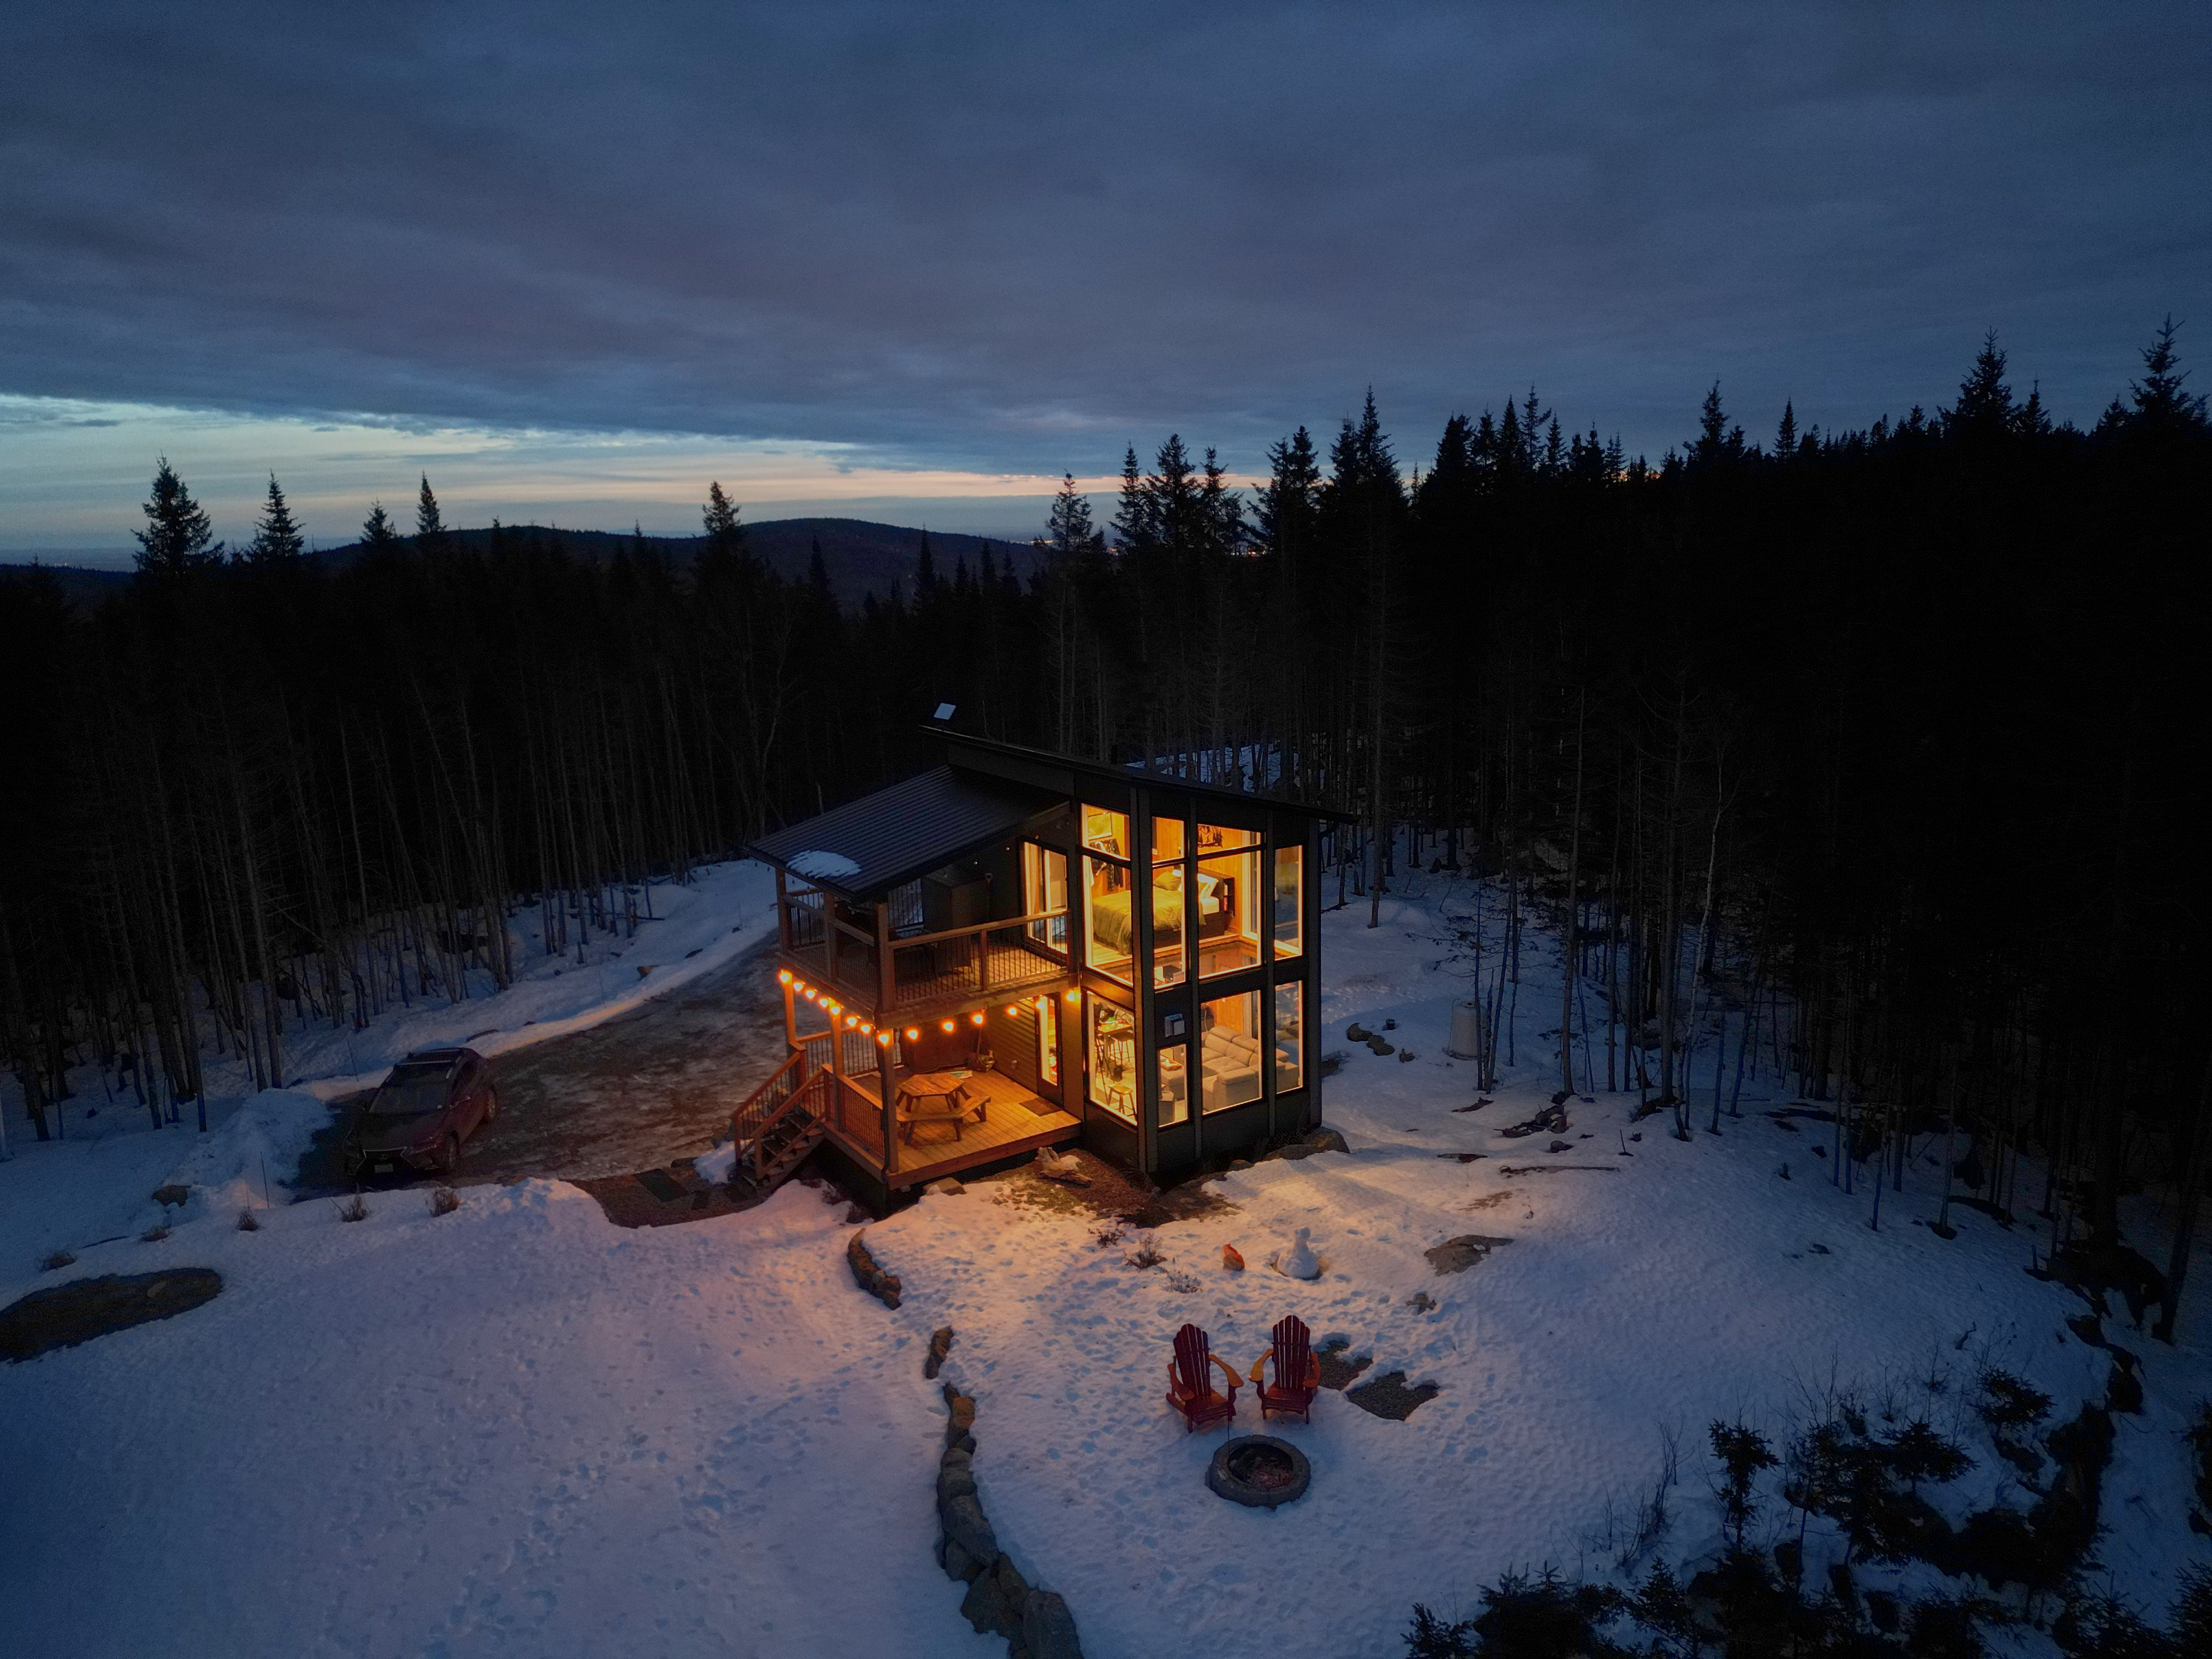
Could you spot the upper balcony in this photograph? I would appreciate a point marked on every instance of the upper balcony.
(930, 970)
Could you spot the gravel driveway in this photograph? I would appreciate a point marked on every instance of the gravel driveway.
(656, 1084)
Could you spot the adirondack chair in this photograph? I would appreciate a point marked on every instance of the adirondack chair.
(1190, 1381)
(1296, 1371)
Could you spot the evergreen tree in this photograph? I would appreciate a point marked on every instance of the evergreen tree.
(2160, 402)
(924, 572)
(277, 539)
(1718, 443)
(429, 527)
(1785, 436)
(376, 532)
(1984, 409)
(1133, 520)
(1068, 528)
(179, 535)
(1283, 509)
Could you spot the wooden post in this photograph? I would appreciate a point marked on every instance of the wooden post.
(782, 918)
(886, 1020)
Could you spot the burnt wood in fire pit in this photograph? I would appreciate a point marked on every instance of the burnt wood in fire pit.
(1258, 1470)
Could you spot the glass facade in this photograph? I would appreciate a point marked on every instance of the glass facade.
(1227, 900)
(1112, 1058)
(1169, 967)
(1228, 1051)
(1175, 1084)
(1289, 900)
(1106, 832)
(1044, 887)
(1290, 1037)
(1109, 924)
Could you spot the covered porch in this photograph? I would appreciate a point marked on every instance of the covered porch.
(1013, 1119)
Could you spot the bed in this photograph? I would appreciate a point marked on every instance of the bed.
(1111, 925)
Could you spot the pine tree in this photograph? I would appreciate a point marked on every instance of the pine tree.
(2160, 402)
(429, 527)
(924, 571)
(1986, 408)
(179, 535)
(1133, 520)
(1785, 436)
(276, 537)
(1068, 528)
(1282, 509)
(376, 532)
(1717, 442)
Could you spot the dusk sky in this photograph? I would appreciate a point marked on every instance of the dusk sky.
(913, 263)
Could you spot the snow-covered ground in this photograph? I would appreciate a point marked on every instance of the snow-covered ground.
(518, 1429)
(95, 1181)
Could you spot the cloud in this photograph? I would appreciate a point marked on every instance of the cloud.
(1011, 240)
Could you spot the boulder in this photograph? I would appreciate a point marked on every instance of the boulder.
(940, 1344)
(883, 1286)
(956, 1562)
(945, 1187)
(1048, 1629)
(966, 1525)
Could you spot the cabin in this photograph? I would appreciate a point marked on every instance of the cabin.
(1018, 950)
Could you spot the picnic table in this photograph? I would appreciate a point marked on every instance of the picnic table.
(939, 1098)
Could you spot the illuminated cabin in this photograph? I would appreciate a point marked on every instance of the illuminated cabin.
(1090, 953)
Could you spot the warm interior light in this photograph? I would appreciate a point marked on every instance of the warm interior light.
(1073, 995)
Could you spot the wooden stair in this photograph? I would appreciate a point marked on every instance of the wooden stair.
(784, 1120)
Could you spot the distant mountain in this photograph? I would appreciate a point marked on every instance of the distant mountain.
(861, 558)
(84, 586)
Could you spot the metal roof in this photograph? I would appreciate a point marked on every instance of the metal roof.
(1113, 772)
(898, 833)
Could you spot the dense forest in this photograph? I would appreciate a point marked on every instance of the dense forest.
(1869, 751)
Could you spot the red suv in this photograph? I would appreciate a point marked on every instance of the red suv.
(433, 1100)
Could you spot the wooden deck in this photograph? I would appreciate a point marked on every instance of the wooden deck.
(1018, 1122)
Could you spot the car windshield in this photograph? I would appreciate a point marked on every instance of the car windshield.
(409, 1096)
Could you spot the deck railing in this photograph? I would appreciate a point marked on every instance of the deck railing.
(981, 960)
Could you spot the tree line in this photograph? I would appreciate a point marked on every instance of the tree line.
(1865, 750)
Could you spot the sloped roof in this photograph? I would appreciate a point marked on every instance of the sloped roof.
(898, 833)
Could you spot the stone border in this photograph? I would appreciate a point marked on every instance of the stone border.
(1222, 1482)
(883, 1286)
(1036, 1623)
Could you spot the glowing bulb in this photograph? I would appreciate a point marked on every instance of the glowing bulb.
(1073, 995)
(865, 1028)
(976, 1019)
(948, 1024)
(852, 1019)
(885, 1038)
(911, 1034)
(810, 994)
(785, 977)
(1011, 1010)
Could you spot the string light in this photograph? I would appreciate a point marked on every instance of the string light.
(852, 1019)
(785, 977)
(912, 1034)
(811, 997)
(1074, 995)
(948, 1026)
(975, 1018)
(885, 1038)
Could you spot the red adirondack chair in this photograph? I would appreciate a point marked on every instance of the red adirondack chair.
(1297, 1372)
(1190, 1381)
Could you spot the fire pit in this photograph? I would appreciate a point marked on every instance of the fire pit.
(1258, 1470)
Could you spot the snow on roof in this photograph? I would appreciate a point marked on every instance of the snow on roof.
(824, 867)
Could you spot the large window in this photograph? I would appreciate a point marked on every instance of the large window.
(1168, 967)
(1113, 1059)
(1106, 832)
(1228, 1051)
(1109, 925)
(1290, 1037)
(1047, 1019)
(1175, 1084)
(1044, 887)
(1289, 900)
(1227, 900)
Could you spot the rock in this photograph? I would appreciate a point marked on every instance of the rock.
(883, 1286)
(956, 1480)
(1420, 1302)
(1240, 1162)
(1067, 1169)
(987, 1608)
(1299, 1261)
(965, 1525)
(1560, 1146)
(1049, 1628)
(1405, 1054)
(1326, 1139)
(1354, 1033)
(945, 1187)
(956, 1562)
(855, 1216)
(1376, 1045)
(940, 1344)
(1457, 1255)
(172, 1193)
(1230, 1260)
(2125, 1391)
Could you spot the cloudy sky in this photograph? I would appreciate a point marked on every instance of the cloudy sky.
(913, 263)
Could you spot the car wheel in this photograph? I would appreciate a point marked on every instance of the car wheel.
(491, 1105)
(452, 1154)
